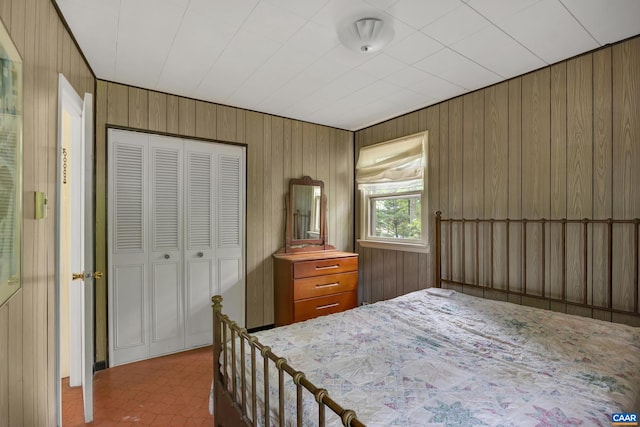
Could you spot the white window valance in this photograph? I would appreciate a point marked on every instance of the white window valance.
(401, 159)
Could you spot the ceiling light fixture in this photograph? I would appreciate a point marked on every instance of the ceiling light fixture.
(368, 30)
(365, 35)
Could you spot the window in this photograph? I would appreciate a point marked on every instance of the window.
(391, 181)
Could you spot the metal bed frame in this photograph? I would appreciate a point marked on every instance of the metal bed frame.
(542, 291)
(230, 411)
(231, 407)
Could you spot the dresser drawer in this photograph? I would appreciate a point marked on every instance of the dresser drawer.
(322, 267)
(318, 286)
(314, 307)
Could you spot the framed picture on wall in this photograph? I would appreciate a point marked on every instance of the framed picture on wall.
(10, 166)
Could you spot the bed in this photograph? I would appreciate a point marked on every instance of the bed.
(441, 357)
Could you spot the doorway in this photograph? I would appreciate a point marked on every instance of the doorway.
(74, 246)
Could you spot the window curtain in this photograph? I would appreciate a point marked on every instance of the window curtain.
(393, 161)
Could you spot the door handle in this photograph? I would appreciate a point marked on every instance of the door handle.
(167, 256)
(82, 276)
(200, 254)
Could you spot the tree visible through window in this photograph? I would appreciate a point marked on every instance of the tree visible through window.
(397, 217)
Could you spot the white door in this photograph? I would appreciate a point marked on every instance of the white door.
(145, 240)
(74, 235)
(231, 231)
(128, 248)
(89, 262)
(200, 254)
(165, 261)
(214, 233)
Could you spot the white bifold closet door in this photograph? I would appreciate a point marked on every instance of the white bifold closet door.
(214, 236)
(176, 237)
(166, 325)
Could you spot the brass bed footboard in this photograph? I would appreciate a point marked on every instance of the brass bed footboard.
(231, 405)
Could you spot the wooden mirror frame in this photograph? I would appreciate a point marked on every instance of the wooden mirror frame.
(306, 245)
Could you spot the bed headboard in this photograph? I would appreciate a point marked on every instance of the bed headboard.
(581, 266)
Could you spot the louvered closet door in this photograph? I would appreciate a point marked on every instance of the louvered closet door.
(230, 230)
(176, 237)
(199, 245)
(128, 259)
(166, 282)
(214, 235)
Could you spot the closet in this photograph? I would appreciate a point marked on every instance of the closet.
(176, 218)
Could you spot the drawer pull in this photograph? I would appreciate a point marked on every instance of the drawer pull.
(328, 285)
(328, 267)
(322, 307)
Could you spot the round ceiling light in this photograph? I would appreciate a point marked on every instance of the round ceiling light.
(365, 35)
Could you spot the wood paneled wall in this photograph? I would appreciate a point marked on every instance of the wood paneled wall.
(27, 342)
(278, 149)
(560, 142)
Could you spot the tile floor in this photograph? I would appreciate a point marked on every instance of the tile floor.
(166, 391)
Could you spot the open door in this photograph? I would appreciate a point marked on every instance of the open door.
(89, 262)
(75, 257)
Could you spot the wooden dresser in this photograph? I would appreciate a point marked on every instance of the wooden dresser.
(312, 284)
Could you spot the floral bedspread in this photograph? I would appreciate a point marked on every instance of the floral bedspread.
(428, 359)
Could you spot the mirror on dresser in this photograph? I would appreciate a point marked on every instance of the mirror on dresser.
(306, 228)
(311, 278)
(306, 211)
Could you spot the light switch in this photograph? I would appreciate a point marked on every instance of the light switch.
(41, 205)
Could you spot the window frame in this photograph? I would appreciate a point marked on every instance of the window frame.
(367, 218)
